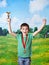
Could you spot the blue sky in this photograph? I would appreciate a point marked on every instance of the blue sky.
(29, 11)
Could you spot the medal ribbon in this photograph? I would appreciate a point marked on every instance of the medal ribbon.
(24, 42)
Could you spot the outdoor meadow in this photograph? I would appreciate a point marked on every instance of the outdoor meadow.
(32, 12)
(8, 51)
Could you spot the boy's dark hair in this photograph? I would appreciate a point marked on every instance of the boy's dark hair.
(24, 24)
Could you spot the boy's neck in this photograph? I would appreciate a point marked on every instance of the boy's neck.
(24, 35)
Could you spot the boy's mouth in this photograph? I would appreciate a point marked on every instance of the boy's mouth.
(24, 32)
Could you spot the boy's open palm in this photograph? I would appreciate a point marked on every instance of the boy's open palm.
(44, 21)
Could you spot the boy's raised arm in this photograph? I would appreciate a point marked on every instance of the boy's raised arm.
(9, 27)
(43, 24)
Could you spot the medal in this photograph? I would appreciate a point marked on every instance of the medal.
(24, 51)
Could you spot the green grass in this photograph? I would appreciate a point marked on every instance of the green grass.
(8, 51)
(40, 52)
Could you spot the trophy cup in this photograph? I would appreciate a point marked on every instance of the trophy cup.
(8, 15)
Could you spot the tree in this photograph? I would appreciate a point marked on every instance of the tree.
(35, 29)
(45, 30)
(5, 31)
(30, 30)
(1, 32)
(18, 31)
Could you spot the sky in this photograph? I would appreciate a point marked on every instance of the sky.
(31, 12)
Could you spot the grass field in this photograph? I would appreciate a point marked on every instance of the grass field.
(8, 51)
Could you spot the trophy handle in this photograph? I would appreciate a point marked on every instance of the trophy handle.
(8, 14)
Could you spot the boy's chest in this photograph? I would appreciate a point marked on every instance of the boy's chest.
(28, 42)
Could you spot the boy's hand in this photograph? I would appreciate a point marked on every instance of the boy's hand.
(8, 19)
(43, 24)
(44, 21)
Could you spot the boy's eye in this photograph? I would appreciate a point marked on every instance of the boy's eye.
(23, 28)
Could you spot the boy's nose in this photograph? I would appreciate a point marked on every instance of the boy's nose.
(24, 30)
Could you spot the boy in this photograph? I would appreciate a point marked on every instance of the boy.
(24, 41)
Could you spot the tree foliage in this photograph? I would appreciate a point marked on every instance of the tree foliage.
(35, 29)
(30, 30)
(5, 31)
(1, 32)
(45, 30)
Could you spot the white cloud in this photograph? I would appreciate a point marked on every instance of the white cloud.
(36, 18)
(14, 19)
(3, 21)
(37, 5)
(3, 17)
(34, 21)
(3, 3)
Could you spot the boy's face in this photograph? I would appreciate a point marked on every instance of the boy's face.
(24, 30)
